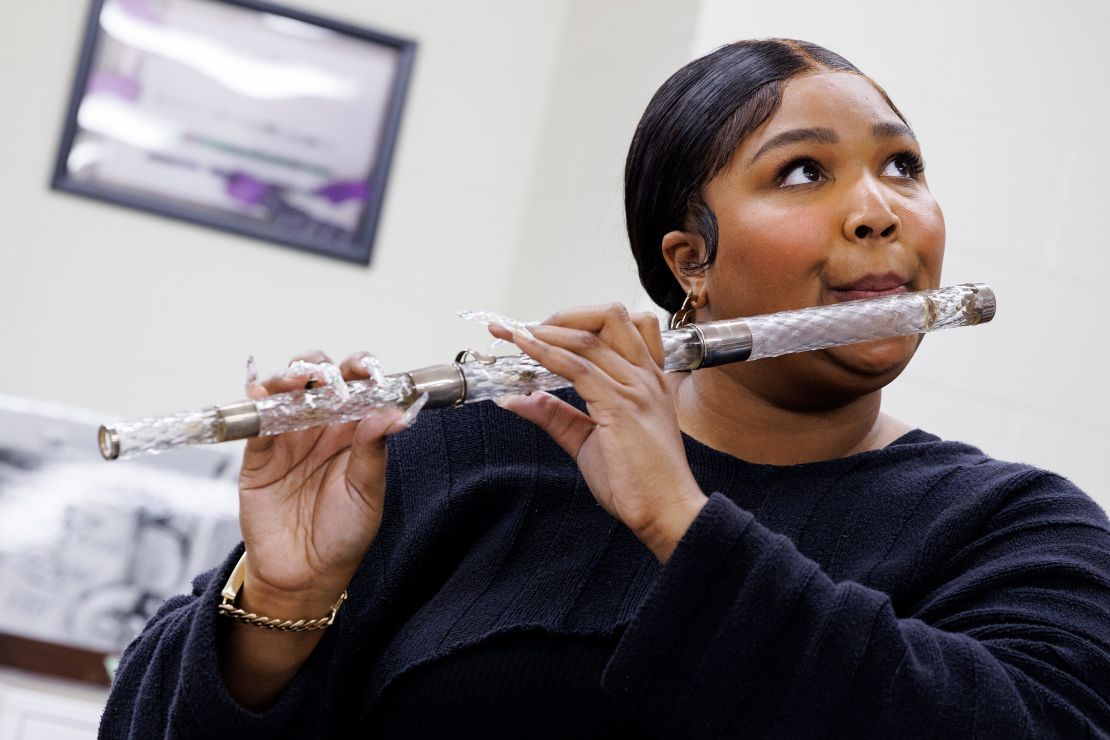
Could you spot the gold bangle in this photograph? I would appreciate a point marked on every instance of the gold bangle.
(228, 609)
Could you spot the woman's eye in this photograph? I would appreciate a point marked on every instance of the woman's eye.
(800, 173)
(906, 166)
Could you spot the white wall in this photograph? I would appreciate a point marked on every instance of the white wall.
(573, 244)
(132, 314)
(1011, 102)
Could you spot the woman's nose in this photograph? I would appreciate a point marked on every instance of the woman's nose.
(870, 218)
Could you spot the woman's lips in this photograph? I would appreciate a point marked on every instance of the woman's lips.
(870, 287)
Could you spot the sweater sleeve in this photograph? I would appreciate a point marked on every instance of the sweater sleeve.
(169, 685)
(743, 636)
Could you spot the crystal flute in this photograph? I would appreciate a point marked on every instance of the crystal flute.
(476, 377)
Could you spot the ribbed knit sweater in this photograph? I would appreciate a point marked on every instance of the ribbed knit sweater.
(920, 590)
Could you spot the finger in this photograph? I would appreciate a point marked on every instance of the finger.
(591, 382)
(297, 374)
(647, 324)
(256, 391)
(568, 426)
(589, 346)
(367, 461)
(612, 322)
(326, 372)
(366, 466)
(305, 371)
(361, 365)
(314, 356)
(595, 349)
(374, 367)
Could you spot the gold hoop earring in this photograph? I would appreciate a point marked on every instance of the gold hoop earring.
(685, 314)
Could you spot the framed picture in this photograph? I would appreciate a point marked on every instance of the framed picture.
(240, 115)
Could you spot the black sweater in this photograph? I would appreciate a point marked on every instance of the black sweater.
(921, 590)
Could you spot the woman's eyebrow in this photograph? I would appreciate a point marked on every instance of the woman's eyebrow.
(892, 130)
(884, 130)
(793, 136)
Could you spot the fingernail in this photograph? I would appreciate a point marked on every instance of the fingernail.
(374, 367)
(406, 419)
(505, 400)
(334, 379)
(520, 335)
(252, 373)
(299, 369)
(517, 329)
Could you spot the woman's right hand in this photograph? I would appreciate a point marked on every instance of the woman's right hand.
(310, 502)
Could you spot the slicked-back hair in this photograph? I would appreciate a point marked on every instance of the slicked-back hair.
(689, 132)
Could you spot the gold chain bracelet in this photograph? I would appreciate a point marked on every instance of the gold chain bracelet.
(228, 609)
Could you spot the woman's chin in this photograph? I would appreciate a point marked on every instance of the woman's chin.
(883, 358)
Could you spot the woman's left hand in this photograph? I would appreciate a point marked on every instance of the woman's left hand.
(629, 448)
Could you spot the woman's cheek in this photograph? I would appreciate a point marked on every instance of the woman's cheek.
(925, 224)
(779, 256)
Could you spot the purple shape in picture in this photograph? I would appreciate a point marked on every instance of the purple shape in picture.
(244, 188)
(343, 190)
(106, 82)
(141, 9)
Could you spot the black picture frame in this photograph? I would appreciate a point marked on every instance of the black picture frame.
(344, 214)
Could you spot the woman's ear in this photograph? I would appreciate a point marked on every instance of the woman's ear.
(682, 248)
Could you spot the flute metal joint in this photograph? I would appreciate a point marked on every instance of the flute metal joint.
(724, 342)
(108, 441)
(241, 420)
(445, 385)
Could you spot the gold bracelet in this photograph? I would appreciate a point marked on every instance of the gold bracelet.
(228, 609)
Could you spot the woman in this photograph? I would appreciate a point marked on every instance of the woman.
(772, 556)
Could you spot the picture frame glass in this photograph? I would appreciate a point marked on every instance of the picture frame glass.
(236, 117)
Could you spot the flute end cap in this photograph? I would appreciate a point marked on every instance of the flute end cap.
(108, 441)
(988, 304)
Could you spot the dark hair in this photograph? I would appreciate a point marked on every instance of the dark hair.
(688, 133)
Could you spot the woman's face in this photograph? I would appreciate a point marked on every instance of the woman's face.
(826, 202)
